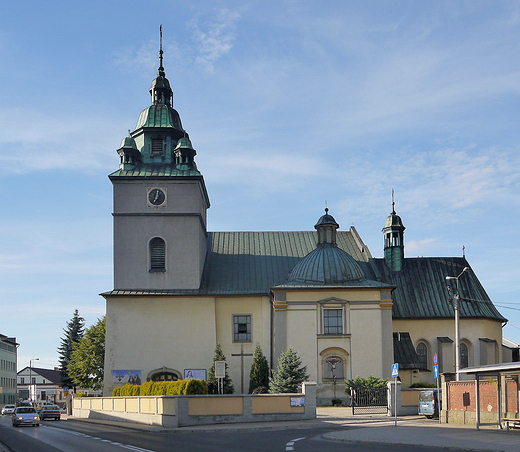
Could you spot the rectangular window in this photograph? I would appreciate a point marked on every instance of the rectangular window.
(242, 328)
(332, 321)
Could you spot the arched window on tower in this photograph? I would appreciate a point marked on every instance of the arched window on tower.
(157, 255)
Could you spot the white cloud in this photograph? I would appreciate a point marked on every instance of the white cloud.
(214, 38)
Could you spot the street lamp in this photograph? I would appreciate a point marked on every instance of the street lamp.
(30, 378)
(456, 303)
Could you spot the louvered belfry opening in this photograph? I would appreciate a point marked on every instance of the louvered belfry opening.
(157, 146)
(157, 255)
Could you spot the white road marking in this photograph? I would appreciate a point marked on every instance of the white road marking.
(290, 444)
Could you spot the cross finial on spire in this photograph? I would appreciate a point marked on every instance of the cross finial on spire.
(161, 68)
(393, 202)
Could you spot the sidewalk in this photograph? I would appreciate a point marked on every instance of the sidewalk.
(489, 438)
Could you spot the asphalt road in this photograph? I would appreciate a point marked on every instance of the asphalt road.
(74, 436)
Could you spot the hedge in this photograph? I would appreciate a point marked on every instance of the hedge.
(156, 388)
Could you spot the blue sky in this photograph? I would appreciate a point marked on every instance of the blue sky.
(289, 104)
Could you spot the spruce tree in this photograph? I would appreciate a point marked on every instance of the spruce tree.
(259, 375)
(228, 387)
(289, 373)
(73, 334)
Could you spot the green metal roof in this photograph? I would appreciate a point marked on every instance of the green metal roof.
(404, 352)
(248, 263)
(421, 289)
(166, 171)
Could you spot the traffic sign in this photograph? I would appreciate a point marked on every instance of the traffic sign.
(435, 371)
(435, 359)
(395, 370)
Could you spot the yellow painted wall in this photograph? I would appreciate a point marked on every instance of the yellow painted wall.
(274, 404)
(148, 333)
(200, 406)
(259, 309)
(471, 330)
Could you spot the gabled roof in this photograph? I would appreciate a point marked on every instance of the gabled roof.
(421, 289)
(52, 375)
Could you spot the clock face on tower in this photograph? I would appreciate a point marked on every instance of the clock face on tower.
(156, 196)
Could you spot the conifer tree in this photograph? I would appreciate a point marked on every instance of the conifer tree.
(73, 333)
(259, 375)
(289, 373)
(87, 362)
(228, 387)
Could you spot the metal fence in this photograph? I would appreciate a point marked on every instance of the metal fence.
(370, 401)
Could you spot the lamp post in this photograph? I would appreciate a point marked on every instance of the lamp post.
(30, 378)
(456, 305)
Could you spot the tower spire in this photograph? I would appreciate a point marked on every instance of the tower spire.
(161, 72)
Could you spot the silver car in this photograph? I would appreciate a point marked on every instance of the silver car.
(25, 415)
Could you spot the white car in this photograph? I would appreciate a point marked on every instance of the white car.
(8, 409)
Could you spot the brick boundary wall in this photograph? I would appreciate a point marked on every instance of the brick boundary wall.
(461, 396)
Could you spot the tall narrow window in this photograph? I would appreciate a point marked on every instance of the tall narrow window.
(464, 355)
(242, 328)
(157, 255)
(422, 353)
(332, 321)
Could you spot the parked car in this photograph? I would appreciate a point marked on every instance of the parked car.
(50, 412)
(8, 409)
(429, 403)
(25, 415)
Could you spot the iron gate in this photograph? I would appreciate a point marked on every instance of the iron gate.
(370, 401)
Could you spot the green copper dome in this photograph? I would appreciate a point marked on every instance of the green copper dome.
(159, 115)
(327, 264)
(128, 143)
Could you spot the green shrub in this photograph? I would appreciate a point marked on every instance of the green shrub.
(196, 387)
(158, 388)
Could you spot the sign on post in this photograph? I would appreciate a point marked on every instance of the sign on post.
(435, 359)
(395, 370)
(220, 369)
(436, 371)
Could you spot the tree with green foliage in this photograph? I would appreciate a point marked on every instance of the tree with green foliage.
(228, 387)
(87, 363)
(73, 333)
(366, 383)
(289, 373)
(259, 375)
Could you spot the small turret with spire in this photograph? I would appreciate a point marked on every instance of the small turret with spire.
(160, 90)
(394, 240)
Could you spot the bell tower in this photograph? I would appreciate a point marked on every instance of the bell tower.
(160, 201)
(394, 240)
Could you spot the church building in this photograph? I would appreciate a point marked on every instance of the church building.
(180, 289)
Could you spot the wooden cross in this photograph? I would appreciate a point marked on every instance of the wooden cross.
(241, 354)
